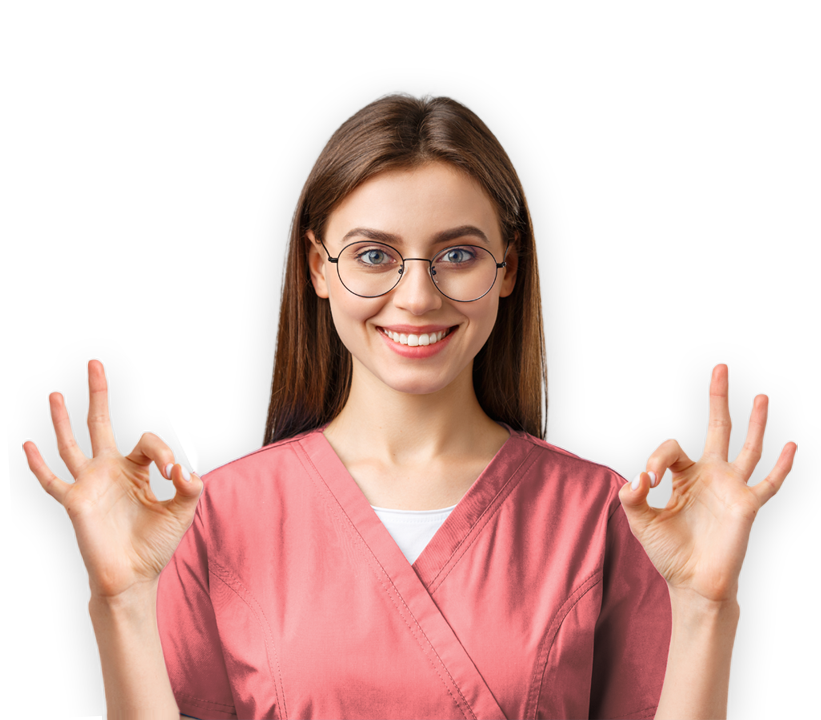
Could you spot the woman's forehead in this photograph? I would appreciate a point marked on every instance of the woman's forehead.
(421, 204)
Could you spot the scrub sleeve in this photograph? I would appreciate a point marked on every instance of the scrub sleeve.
(188, 628)
(632, 634)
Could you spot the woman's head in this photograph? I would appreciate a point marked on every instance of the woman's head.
(404, 154)
(434, 213)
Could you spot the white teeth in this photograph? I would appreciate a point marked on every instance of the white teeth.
(416, 340)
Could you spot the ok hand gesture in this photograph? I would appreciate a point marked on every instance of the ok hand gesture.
(698, 541)
(126, 536)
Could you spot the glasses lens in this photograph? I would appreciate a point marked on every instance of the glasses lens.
(462, 272)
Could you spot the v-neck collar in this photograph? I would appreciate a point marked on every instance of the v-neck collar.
(411, 587)
(471, 513)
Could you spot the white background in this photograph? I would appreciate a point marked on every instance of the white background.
(74, 127)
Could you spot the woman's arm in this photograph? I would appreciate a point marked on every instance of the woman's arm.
(697, 680)
(134, 673)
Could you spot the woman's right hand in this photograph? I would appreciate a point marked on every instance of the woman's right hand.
(126, 536)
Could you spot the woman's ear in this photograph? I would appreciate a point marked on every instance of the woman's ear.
(511, 265)
(317, 262)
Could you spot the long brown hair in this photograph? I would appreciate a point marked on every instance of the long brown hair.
(312, 368)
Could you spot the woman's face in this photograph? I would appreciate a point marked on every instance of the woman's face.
(413, 208)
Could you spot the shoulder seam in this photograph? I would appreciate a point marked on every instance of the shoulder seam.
(271, 446)
(561, 451)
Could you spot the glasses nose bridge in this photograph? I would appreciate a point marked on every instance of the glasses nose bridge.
(429, 273)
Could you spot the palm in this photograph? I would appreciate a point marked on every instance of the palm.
(698, 541)
(120, 524)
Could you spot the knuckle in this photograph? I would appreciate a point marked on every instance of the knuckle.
(721, 422)
(155, 443)
(752, 450)
(96, 418)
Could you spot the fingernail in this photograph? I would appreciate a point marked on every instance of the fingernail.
(636, 481)
(652, 478)
(168, 470)
(185, 474)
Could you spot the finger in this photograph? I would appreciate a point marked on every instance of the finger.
(668, 455)
(71, 454)
(633, 498)
(99, 423)
(50, 482)
(718, 430)
(184, 502)
(751, 452)
(151, 448)
(771, 484)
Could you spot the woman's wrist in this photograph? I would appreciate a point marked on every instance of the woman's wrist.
(135, 601)
(696, 683)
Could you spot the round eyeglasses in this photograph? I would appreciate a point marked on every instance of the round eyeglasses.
(463, 273)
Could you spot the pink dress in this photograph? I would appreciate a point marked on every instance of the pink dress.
(288, 598)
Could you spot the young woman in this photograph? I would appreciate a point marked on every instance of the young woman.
(405, 543)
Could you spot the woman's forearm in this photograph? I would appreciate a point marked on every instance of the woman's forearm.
(134, 673)
(697, 680)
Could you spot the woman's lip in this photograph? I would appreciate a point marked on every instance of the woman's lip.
(419, 351)
(418, 332)
(415, 329)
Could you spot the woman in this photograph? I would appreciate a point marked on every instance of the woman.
(405, 543)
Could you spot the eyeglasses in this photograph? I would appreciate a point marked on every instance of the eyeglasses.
(463, 273)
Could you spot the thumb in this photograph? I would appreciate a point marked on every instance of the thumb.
(634, 501)
(184, 502)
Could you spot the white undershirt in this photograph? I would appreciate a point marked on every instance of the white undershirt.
(412, 530)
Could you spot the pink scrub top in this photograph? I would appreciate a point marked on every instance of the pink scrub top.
(288, 598)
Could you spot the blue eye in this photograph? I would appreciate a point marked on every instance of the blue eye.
(457, 256)
(373, 257)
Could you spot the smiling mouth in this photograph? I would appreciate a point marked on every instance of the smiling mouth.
(416, 340)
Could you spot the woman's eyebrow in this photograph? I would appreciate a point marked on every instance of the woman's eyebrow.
(444, 236)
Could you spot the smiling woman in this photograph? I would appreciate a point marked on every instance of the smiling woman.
(412, 509)
(406, 544)
(409, 299)
(416, 175)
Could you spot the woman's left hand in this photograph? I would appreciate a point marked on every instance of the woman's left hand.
(698, 541)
